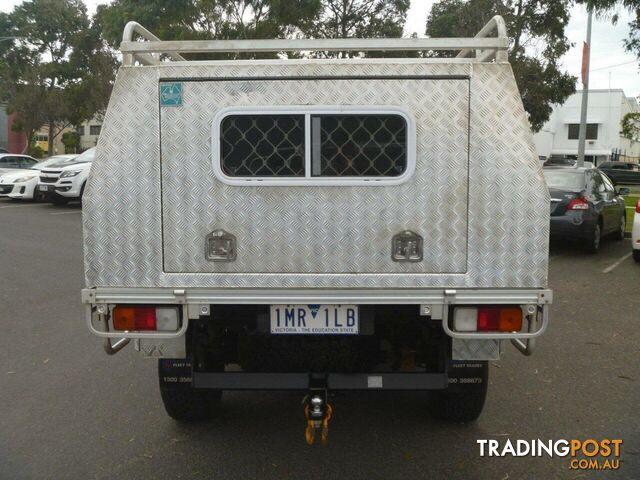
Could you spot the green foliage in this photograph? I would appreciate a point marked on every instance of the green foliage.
(35, 151)
(207, 19)
(58, 72)
(537, 29)
(252, 19)
(630, 126)
(70, 140)
(358, 18)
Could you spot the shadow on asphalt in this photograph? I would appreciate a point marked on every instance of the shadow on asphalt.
(576, 249)
(374, 415)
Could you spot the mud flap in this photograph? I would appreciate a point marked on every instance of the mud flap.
(181, 401)
(465, 375)
(175, 371)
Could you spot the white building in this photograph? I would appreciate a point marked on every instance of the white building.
(559, 136)
(89, 132)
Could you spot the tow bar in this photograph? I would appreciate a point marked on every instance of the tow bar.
(318, 412)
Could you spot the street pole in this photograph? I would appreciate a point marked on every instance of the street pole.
(585, 95)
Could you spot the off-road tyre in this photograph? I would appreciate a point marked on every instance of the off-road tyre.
(462, 402)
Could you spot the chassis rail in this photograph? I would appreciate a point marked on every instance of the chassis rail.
(333, 381)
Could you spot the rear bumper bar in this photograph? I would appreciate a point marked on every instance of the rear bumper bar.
(398, 296)
(433, 303)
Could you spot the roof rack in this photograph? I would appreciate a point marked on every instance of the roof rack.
(484, 47)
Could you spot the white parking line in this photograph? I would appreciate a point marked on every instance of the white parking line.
(65, 213)
(611, 267)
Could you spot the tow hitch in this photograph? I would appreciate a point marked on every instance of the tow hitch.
(318, 412)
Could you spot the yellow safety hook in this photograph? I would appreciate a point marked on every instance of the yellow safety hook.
(325, 425)
(310, 431)
(315, 424)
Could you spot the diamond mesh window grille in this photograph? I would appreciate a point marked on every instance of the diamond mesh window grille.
(359, 145)
(263, 145)
(342, 145)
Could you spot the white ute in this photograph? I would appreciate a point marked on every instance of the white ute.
(22, 184)
(66, 182)
(317, 224)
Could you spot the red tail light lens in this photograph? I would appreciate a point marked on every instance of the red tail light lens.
(579, 203)
(488, 319)
(141, 318)
(638, 207)
(134, 318)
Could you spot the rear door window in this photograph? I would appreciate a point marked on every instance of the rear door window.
(26, 162)
(565, 180)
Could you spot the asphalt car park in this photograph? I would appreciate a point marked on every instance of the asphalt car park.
(70, 411)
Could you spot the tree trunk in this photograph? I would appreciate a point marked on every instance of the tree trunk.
(29, 143)
(51, 138)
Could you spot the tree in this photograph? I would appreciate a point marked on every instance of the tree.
(231, 19)
(632, 44)
(538, 41)
(630, 126)
(70, 140)
(207, 19)
(358, 18)
(57, 72)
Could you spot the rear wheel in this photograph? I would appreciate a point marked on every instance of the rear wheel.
(181, 401)
(619, 235)
(464, 399)
(593, 243)
(636, 255)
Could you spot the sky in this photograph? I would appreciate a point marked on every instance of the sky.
(608, 55)
(611, 65)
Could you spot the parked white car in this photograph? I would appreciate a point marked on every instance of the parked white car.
(20, 184)
(63, 183)
(11, 161)
(635, 234)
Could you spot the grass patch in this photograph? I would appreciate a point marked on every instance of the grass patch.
(630, 203)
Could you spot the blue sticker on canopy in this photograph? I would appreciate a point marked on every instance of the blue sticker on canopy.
(171, 94)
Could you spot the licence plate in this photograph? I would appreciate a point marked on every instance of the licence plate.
(44, 188)
(314, 319)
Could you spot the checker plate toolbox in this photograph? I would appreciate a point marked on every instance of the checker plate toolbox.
(408, 186)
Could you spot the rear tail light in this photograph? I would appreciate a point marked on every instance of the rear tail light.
(132, 318)
(579, 203)
(638, 207)
(487, 319)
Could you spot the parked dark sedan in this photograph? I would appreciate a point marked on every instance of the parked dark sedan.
(585, 206)
(624, 173)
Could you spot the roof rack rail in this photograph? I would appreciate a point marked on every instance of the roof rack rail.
(484, 47)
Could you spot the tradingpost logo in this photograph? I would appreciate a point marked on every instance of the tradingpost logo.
(589, 454)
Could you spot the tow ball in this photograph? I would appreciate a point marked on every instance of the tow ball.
(318, 412)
